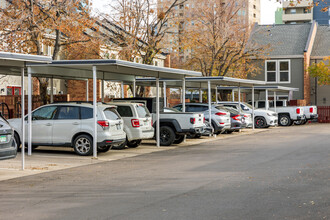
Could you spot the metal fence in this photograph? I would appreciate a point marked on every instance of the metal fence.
(324, 114)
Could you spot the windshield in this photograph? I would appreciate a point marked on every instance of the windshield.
(142, 111)
(231, 110)
(245, 106)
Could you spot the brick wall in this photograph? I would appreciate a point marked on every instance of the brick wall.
(77, 90)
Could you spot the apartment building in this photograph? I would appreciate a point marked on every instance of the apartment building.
(295, 12)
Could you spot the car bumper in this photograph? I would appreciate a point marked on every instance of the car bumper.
(140, 134)
(272, 121)
(8, 150)
(313, 116)
(111, 142)
(197, 130)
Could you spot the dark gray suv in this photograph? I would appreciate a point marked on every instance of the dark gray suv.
(8, 146)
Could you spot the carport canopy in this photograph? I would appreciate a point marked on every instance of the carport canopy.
(116, 70)
(14, 64)
(203, 83)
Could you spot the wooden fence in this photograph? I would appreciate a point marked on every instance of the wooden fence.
(324, 114)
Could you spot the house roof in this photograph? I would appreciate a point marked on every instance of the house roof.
(321, 45)
(284, 40)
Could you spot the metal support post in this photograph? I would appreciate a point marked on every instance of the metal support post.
(29, 111)
(122, 90)
(200, 95)
(94, 113)
(51, 90)
(275, 98)
(87, 90)
(164, 91)
(233, 95)
(266, 99)
(157, 114)
(22, 118)
(253, 125)
(102, 90)
(239, 98)
(209, 99)
(134, 88)
(183, 95)
(216, 94)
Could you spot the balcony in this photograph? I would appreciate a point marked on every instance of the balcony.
(297, 17)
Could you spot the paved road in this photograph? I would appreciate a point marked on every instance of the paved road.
(280, 174)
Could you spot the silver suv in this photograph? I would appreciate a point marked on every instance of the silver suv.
(137, 123)
(71, 124)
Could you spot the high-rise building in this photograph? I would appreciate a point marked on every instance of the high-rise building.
(321, 12)
(295, 12)
(183, 18)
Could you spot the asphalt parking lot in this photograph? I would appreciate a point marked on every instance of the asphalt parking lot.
(46, 159)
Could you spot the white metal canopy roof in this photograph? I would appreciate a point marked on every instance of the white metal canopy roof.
(11, 63)
(106, 69)
(258, 88)
(201, 82)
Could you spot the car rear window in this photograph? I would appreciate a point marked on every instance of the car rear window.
(125, 111)
(111, 114)
(142, 111)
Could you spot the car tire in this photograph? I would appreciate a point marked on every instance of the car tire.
(178, 139)
(83, 145)
(260, 122)
(229, 131)
(284, 120)
(134, 143)
(167, 136)
(121, 146)
(103, 149)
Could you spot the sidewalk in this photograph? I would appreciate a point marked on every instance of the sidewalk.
(46, 159)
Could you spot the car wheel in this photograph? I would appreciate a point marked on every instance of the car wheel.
(284, 120)
(167, 136)
(121, 146)
(83, 145)
(229, 131)
(178, 139)
(134, 143)
(103, 149)
(260, 122)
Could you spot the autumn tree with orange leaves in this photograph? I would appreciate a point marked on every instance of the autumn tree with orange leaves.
(28, 26)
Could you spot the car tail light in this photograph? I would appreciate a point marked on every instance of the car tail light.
(103, 124)
(192, 120)
(135, 123)
(311, 110)
(236, 117)
(298, 111)
(152, 123)
(246, 116)
(220, 113)
(204, 120)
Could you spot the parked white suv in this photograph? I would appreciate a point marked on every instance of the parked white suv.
(71, 124)
(137, 123)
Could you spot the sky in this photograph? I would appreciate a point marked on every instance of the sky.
(268, 8)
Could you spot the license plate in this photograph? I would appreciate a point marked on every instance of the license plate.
(145, 123)
(3, 138)
(118, 127)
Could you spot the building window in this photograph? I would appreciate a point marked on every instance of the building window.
(277, 71)
(293, 11)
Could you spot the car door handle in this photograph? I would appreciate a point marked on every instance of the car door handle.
(75, 123)
(49, 124)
